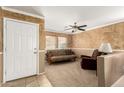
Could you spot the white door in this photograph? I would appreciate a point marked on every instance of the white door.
(20, 46)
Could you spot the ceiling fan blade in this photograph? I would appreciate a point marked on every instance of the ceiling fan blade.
(68, 28)
(83, 26)
(82, 29)
(71, 25)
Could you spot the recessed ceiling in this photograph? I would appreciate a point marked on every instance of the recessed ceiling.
(57, 17)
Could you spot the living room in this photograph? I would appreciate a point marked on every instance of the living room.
(70, 48)
(105, 31)
(65, 46)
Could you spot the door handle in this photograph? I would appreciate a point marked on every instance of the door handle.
(35, 50)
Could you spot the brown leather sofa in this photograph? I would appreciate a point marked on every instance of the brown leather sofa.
(90, 62)
(58, 55)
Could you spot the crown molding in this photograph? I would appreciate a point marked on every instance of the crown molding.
(22, 12)
(103, 25)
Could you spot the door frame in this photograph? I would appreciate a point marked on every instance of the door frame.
(5, 41)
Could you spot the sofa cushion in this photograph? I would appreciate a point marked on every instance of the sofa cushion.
(69, 52)
(62, 58)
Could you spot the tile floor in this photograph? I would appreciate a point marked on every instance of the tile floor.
(33, 81)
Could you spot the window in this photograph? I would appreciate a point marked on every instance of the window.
(53, 42)
(50, 42)
(62, 42)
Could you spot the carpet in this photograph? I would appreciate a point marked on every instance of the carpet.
(70, 74)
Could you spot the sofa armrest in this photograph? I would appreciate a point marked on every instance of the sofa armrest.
(85, 56)
(88, 63)
(72, 52)
(89, 59)
(48, 57)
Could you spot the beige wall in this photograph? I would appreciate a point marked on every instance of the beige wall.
(110, 68)
(41, 64)
(18, 16)
(69, 37)
(82, 51)
(113, 34)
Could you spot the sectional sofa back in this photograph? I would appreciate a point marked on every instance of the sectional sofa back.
(60, 52)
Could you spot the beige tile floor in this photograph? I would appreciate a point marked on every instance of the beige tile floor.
(33, 81)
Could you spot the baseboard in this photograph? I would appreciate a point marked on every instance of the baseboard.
(41, 73)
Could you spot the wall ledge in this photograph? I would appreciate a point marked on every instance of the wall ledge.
(42, 51)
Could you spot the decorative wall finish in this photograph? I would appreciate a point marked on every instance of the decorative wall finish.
(114, 34)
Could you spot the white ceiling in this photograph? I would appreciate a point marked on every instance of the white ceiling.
(57, 17)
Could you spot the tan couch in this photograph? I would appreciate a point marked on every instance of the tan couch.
(60, 55)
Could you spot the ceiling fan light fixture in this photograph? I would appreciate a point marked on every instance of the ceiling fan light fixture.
(75, 27)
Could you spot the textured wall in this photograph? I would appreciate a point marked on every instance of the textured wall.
(114, 34)
(18, 16)
(82, 51)
(41, 64)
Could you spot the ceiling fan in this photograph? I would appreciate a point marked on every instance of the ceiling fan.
(75, 27)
